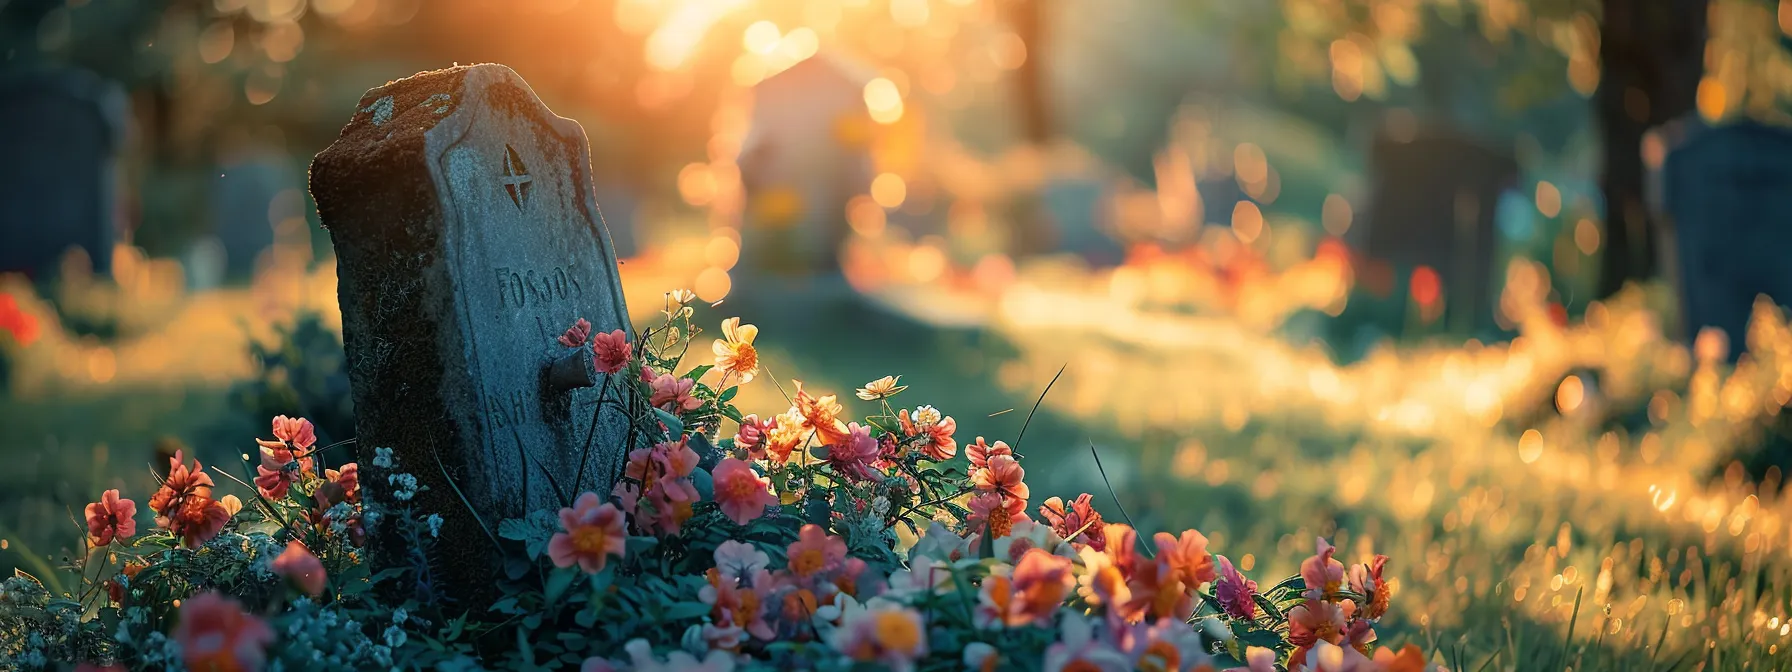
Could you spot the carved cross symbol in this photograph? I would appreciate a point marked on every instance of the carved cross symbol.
(516, 178)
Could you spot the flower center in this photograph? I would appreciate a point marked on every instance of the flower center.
(1161, 656)
(1080, 665)
(806, 562)
(895, 633)
(590, 540)
(1000, 522)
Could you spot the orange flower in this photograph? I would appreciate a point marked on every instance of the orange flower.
(788, 431)
(815, 552)
(822, 415)
(1409, 659)
(184, 504)
(742, 493)
(1366, 580)
(997, 512)
(1003, 475)
(979, 453)
(302, 568)
(1157, 592)
(1316, 621)
(1079, 523)
(613, 352)
(1187, 556)
(1031, 595)
(889, 634)
(938, 430)
(216, 635)
(594, 531)
(111, 518)
(734, 351)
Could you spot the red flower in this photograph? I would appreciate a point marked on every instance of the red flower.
(742, 494)
(16, 321)
(284, 460)
(613, 352)
(295, 433)
(576, 334)
(111, 518)
(1080, 523)
(349, 479)
(302, 568)
(216, 635)
(184, 505)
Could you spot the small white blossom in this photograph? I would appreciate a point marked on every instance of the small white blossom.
(382, 457)
(927, 416)
(395, 636)
(404, 486)
(399, 615)
(880, 507)
(434, 521)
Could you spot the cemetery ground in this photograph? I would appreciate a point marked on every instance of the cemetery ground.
(1564, 547)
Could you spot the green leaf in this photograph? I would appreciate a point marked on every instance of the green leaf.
(1251, 636)
(728, 394)
(674, 426)
(639, 545)
(697, 372)
(558, 581)
(705, 483)
(685, 610)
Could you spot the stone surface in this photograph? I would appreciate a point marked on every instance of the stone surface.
(1435, 195)
(59, 134)
(804, 157)
(1728, 191)
(468, 238)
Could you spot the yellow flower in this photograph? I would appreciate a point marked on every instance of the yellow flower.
(682, 296)
(734, 351)
(231, 504)
(881, 388)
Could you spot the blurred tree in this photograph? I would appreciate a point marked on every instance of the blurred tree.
(1652, 53)
(1028, 17)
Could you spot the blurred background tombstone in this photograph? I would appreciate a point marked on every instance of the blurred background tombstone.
(60, 130)
(1435, 194)
(804, 157)
(1728, 193)
(251, 195)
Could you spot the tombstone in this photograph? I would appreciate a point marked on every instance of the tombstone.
(1433, 204)
(804, 157)
(60, 130)
(468, 238)
(1728, 193)
(250, 194)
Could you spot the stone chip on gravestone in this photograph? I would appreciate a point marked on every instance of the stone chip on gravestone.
(468, 238)
(1728, 191)
(59, 133)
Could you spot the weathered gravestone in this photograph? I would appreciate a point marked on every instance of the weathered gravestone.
(1728, 191)
(804, 157)
(1433, 203)
(467, 239)
(59, 133)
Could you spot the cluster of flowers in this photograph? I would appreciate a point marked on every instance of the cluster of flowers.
(774, 547)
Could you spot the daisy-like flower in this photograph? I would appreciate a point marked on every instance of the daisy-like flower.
(303, 569)
(216, 635)
(882, 388)
(995, 513)
(612, 352)
(939, 543)
(815, 552)
(577, 334)
(928, 422)
(1004, 475)
(674, 394)
(593, 532)
(1102, 583)
(734, 352)
(184, 504)
(1365, 580)
(788, 431)
(1168, 645)
(822, 414)
(1236, 594)
(736, 609)
(1031, 595)
(742, 493)
(888, 634)
(680, 297)
(739, 560)
(1323, 574)
(1079, 522)
(111, 518)
(1077, 649)
(853, 456)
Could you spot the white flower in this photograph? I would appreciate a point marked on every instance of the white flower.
(832, 613)
(395, 636)
(404, 486)
(927, 416)
(399, 615)
(977, 656)
(434, 521)
(940, 543)
(739, 560)
(382, 457)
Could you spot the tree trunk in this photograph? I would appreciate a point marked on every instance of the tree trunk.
(1028, 17)
(1652, 53)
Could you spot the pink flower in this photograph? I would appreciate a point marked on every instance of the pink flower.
(736, 610)
(1078, 650)
(1167, 645)
(753, 434)
(215, 634)
(184, 504)
(979, 453)
(1004, 475)
(742, 493)
(1081, 523)
(1323, 575)
(576, 334)
(996, 513)
(285, 460)
(111, 518)
(1316, 621)
(1236, 594)
(1366, 580)
(815, 552)
(348, 478)
(853, 456)
(674, 394)
(594, 531)
(613, 352)
(296, 433)
(1260, 659)
(888, 634)
(302, 568)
